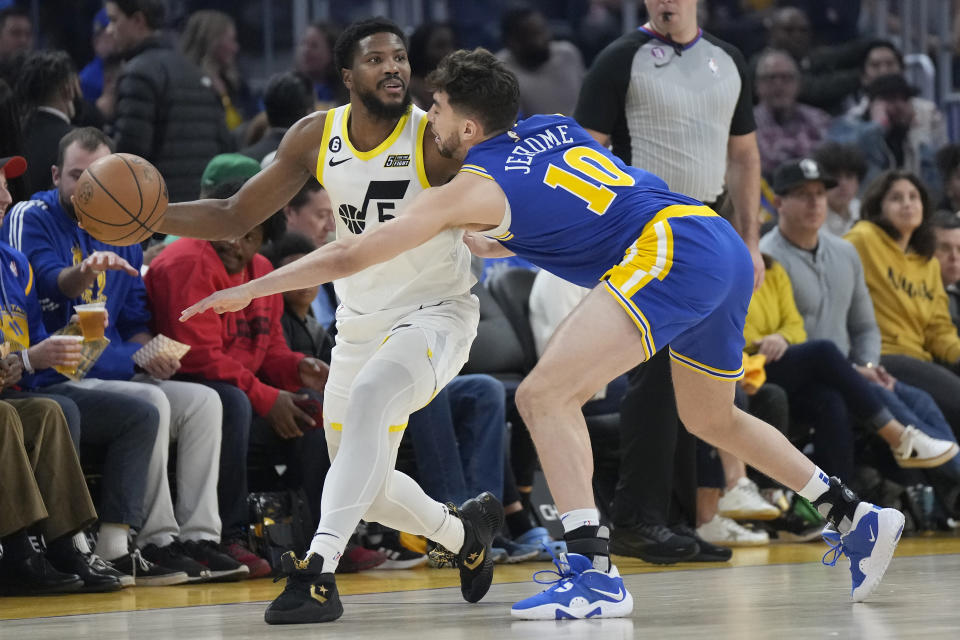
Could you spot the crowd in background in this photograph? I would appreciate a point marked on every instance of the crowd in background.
(852, 343)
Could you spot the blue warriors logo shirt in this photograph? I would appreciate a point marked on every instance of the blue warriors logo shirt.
(574, 208)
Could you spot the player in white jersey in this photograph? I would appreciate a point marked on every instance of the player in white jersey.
(404, 326)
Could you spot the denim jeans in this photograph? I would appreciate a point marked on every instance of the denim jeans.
(459, 437)
(123, 427)
(911, 405)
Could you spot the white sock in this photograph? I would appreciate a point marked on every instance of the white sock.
(113, 542)
(329, 545)
(449, 533)
(816, 486)
(580, 518)
(80, 543)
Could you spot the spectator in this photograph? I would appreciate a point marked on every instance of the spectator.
(11, 142)
(302, 331)
(165, 113)
(16, 33)
(47, 89)
(946, 226)
(429, 43)
(287, 99)
(71, 268)
(948, 163)
(244, 357)
(786, 129)
(638, 95)
(311, 214)
(210, 42)
(919, 343)
(314, 59)
(124, 427)
(888, 132)
(92, 75)
(549, 71)
(882, 58)
(846, 165)
(829, 75)
(42, 487)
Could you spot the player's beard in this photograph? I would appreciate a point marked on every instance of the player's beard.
(448, 147)
(380, 109)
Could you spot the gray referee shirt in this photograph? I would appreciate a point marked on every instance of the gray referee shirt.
(670, 109)
(830, 292)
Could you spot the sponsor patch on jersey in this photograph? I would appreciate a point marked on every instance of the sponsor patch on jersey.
(401, 160)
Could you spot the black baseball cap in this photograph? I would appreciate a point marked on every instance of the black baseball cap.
(13, 166)
(793, 173)
(892, 85)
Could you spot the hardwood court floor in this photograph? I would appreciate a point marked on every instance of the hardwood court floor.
(777, 592)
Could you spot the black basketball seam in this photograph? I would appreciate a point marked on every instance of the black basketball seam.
(149, 219)
(136, 182)
(109, 224)
(125, 210)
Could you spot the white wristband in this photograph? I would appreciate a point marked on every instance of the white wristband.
(25, 359)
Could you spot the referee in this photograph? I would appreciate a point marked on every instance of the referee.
(674, 101)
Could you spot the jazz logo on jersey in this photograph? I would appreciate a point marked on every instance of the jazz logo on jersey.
(402, 160)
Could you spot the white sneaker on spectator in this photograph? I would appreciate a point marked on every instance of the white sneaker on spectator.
(744, 502)
(918, 450)
(728, 533)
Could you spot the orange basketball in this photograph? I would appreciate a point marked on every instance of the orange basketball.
(120, 199)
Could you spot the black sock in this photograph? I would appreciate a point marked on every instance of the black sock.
(18, 545)
(592, 542)
(520, 522)
(62, 547)
(838, 505)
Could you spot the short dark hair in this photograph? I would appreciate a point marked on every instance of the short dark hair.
(479, 85)
(945, 220)
(273, 227)
(948, 160)
(89, 139)
(42, 75)
(512, 18)
(288, 98)
(880, 43)
(836, 158)
(13, 11)
(310, 186)
(922, 241)
(153, 11)
(290, 244)
(346, 46)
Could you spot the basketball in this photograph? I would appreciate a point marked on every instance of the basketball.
(120, 199)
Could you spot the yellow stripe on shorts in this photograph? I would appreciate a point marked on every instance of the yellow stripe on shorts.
(338, 426)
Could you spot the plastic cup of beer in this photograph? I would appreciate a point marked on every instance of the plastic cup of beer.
(65, 370)
(92, 318)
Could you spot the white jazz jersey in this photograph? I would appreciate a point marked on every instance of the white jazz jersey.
(368, 188)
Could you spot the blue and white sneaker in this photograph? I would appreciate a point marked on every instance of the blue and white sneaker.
(540, 538)
(869, 545)
(580, 591)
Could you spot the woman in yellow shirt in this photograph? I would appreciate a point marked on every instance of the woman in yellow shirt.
(823, 387)
(895, 241)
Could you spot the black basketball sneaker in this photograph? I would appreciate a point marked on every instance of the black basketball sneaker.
(310, 595)
(482, 517)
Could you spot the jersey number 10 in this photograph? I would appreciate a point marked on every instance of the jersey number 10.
(594, 165)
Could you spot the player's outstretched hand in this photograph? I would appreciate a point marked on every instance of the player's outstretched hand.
(232, 299)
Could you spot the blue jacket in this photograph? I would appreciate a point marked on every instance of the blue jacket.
(20, 319)
(43, 230)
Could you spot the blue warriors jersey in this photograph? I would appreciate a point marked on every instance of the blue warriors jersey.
(574, 208)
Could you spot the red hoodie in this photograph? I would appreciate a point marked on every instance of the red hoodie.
(245, 348)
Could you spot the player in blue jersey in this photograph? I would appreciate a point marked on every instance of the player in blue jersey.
(666, 272)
